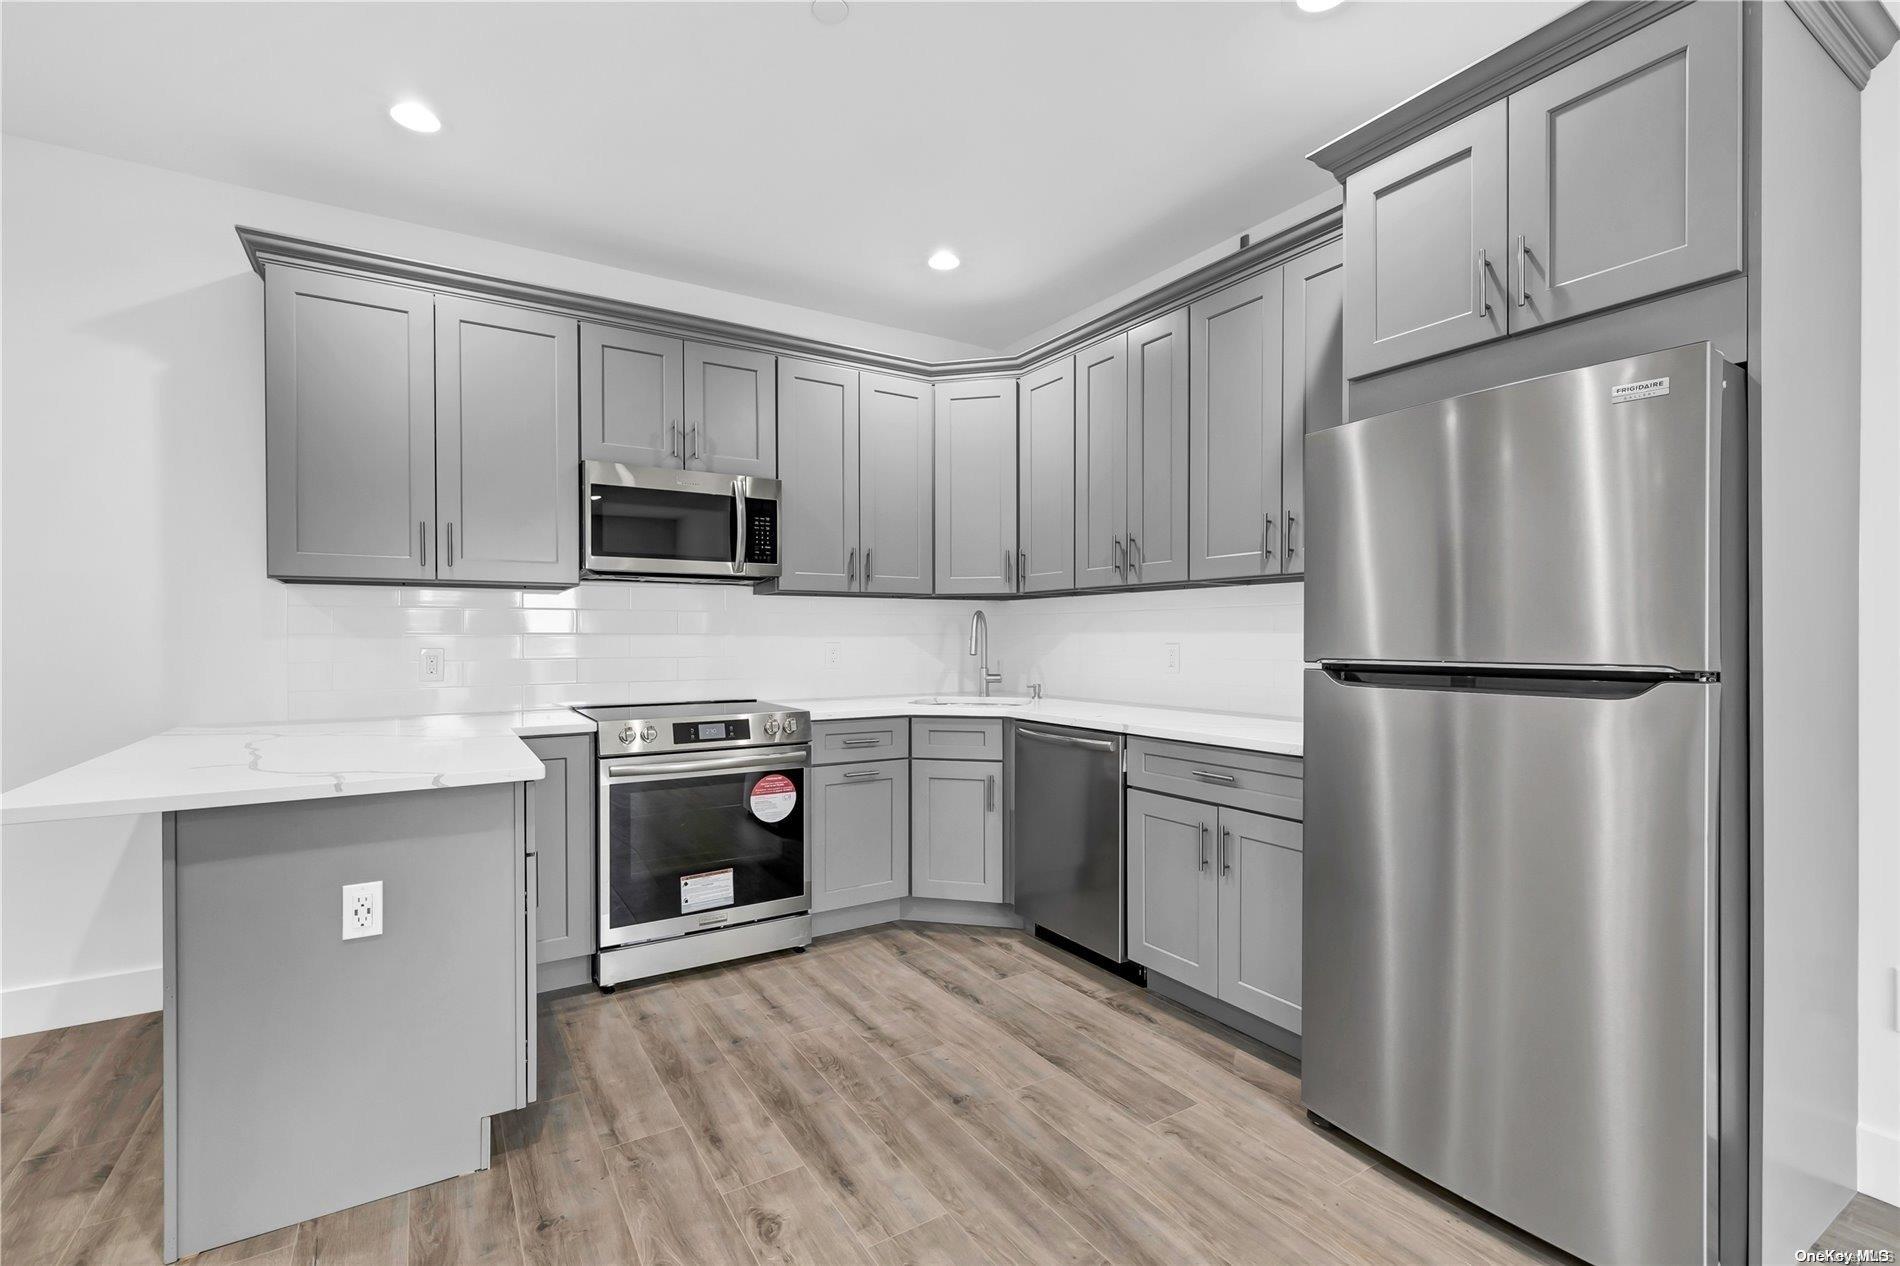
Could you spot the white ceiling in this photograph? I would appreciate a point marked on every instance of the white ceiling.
(1065, 150)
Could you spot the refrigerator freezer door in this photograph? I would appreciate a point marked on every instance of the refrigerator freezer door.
(1572, 519)
(1510, 949)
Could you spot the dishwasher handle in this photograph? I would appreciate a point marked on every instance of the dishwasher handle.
(1066, 740)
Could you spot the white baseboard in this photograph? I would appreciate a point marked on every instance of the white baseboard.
(1879, 1167)
(33, 1008)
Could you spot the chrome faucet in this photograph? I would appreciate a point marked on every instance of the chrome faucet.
(980, 637)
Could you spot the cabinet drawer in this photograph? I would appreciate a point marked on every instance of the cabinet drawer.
(1257, 781)
(880, 738)
(953, 739)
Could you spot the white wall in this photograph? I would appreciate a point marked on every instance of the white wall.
(132, 527)
(1880, 636)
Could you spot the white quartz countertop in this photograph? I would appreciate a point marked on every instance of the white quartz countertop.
(1282, 735)
(205, 767)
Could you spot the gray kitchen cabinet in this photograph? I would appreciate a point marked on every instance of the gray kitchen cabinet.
(1045, 464)
(1626, 169)
(976, 486)
(562, 809)
(1426, 237)
(956, 829)
(507, 435)
(860, 833)
(1101, 462)
(731, 411)
(1261, 867)
(349, 415)
(1173, 890)
(1235, 411)
(1157, 448)
(1314, 380)
(895, 516)
(632, 389)
(819, 461)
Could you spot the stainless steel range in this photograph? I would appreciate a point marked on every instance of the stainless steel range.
(703, 851)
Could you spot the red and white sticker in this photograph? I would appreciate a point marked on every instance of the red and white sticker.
(773, 797)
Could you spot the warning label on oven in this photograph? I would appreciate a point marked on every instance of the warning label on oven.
(773, 797)
(706, 890)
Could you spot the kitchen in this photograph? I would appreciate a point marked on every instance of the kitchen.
(1055, 679)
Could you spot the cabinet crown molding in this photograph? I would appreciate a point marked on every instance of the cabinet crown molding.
(1857, 34)
(263, 247)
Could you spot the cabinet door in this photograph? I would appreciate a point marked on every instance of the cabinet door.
(1234, 416)
(349, 416)
(1172, 893)
(507, 444)
(731, 411)
(1045, 558)
(895, 519)
(1260, 871)
(1101, 463)
(631, 389)
(563, 808)
(1425, 239)
(1158, 450)
(818, 426)
(1314, 381)
(956, 829)
(860, 833)
(1626, 169)
(976, 486)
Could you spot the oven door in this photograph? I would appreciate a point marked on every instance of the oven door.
(697, 841)
(647, 521)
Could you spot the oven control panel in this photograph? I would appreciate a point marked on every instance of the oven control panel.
(660, 728)
(687, 733)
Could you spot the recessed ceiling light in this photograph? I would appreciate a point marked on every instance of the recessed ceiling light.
(1317, 6)
(415, 116)
(944, 260)
(830, 12)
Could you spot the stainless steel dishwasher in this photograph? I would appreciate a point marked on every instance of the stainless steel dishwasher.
(1067, 833)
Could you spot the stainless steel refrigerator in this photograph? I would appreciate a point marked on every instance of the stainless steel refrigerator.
(1526, 801)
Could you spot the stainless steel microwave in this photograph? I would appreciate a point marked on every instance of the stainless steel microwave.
(679, 524)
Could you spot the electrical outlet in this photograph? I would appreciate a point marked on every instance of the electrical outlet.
(432, 665)
(834, 654)
(1174, 657)
(362, 910)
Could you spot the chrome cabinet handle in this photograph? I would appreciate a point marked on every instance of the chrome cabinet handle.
(1208, 775)
(1292, 522)
(674, 444)
(738, 547)
(867, 568)
(851, 568)
(448, 553)
(696, 454)
(860, 742)
(1226, 851)
(1266, 538)
(1134, 558)
(989, 792)
(1523, 283)
(422, 539)
(865, 773)
(1009, 569)
(1022, 571)
(1204, 861)
(1481, 302)
(1120, 555)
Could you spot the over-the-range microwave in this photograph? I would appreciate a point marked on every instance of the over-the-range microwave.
(679, 524)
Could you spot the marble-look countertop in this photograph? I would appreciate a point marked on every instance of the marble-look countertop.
(1281, 735)
(204, 767)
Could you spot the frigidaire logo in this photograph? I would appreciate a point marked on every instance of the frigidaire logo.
(1639, 390)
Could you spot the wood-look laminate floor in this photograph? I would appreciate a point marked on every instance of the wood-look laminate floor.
(906, 1095)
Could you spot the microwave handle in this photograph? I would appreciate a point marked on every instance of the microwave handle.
(738, 546)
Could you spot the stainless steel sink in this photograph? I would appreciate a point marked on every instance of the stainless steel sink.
(964, 701)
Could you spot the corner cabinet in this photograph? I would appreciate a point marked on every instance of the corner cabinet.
(976, 487)
(956, 829)
(413, 437)
(1045, 463)
(1612, 180)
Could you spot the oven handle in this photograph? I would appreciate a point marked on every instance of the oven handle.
(713, 764)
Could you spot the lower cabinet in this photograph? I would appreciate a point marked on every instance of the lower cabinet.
(956, 829)
(562, 808)
(1214, 902)
(860, 833)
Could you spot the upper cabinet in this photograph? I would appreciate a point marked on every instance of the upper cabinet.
(818, 506)
(1235, 405)
(1157, 448)
(976, 486)
(895, 520)
(1045, 552)
(1101, 463)
(1425, 235)
(632, 389)
(1314, 379)
(1614, 179)
(731, 411)
(413, 437)
(349, 413)
(1626, 169)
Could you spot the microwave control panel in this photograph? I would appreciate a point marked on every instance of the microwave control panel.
(761, 544)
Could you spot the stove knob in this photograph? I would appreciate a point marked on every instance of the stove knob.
(626, 733)
(791, 725)
(771, 725)
(648, 734)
